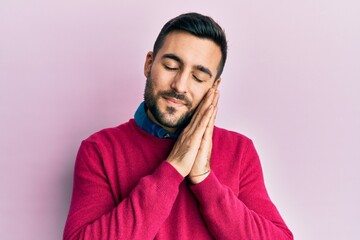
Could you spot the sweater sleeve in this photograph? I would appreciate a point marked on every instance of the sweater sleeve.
(93, 213)
(250, 214)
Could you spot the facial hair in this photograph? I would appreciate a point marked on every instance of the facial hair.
(167, 118)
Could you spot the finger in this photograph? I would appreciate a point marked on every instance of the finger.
(213, 117)
(202, 108)
(206, 99)
(216, 98)
(202, 161)
(210, 127)
(205, 103)
(214, 103)
(199, 127)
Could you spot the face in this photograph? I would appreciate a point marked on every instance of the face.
(178, 78)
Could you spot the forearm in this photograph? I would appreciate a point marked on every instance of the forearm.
(228, 217)
(139, 216)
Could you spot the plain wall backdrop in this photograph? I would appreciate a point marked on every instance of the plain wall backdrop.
(291, 83)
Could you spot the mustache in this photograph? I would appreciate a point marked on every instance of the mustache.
(173, 94)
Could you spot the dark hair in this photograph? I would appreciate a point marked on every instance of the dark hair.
(198, 25)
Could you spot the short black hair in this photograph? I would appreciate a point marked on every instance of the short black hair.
(199, 25)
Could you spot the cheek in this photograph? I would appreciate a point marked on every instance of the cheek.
(156, 80)
(161, 80)
(198, 96)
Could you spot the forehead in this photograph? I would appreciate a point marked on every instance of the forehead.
(191, 50)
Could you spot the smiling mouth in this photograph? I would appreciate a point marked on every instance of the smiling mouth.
(174, 101)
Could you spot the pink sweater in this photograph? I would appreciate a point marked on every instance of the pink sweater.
(124, 189)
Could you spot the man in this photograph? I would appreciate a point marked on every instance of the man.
(169, 173)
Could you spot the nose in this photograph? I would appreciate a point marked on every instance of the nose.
(180, 82)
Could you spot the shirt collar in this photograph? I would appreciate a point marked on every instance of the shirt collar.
(145, 123)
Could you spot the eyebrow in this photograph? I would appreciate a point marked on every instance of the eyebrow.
(204, 70)
(177, 59)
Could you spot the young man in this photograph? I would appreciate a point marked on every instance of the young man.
(169, 173)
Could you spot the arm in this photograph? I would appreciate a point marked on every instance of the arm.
(94, 214)
(250, 215)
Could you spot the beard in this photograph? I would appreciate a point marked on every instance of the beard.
(168, 117)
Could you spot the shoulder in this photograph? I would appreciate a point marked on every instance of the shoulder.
(112, 134)
(231, 142)
(228, 135)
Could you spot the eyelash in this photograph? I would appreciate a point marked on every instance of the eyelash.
(175, 69)
(197, 79)
(170, 68)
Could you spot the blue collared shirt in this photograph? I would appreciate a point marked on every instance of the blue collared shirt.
(145, 123)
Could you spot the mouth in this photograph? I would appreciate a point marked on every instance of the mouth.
(174, 101)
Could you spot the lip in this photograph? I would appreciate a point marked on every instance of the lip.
(174, 101)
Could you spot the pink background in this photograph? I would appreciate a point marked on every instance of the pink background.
(69, 68)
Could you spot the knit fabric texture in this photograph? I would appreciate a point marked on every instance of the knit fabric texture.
(124, 189)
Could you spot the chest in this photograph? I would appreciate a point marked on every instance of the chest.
(132, 162)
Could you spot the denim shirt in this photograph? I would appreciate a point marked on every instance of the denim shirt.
(145, 123)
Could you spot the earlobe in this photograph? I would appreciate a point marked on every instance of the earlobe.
(148, 64)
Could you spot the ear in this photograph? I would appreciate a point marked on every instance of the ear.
(148, 64)
(217, 83)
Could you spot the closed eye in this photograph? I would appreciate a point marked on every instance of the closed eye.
(170, 68)
(198, 79)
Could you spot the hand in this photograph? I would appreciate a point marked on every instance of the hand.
(201, 167)
(187, 147)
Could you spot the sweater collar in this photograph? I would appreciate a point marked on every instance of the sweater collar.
(145, 123)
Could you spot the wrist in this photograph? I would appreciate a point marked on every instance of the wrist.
(179, 167)
(198, 178)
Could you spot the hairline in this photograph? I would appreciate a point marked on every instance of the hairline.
(155, 52)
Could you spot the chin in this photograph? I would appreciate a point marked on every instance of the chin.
(172, 121)
(175, 120)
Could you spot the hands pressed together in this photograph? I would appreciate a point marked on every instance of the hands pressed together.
(191, 153)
